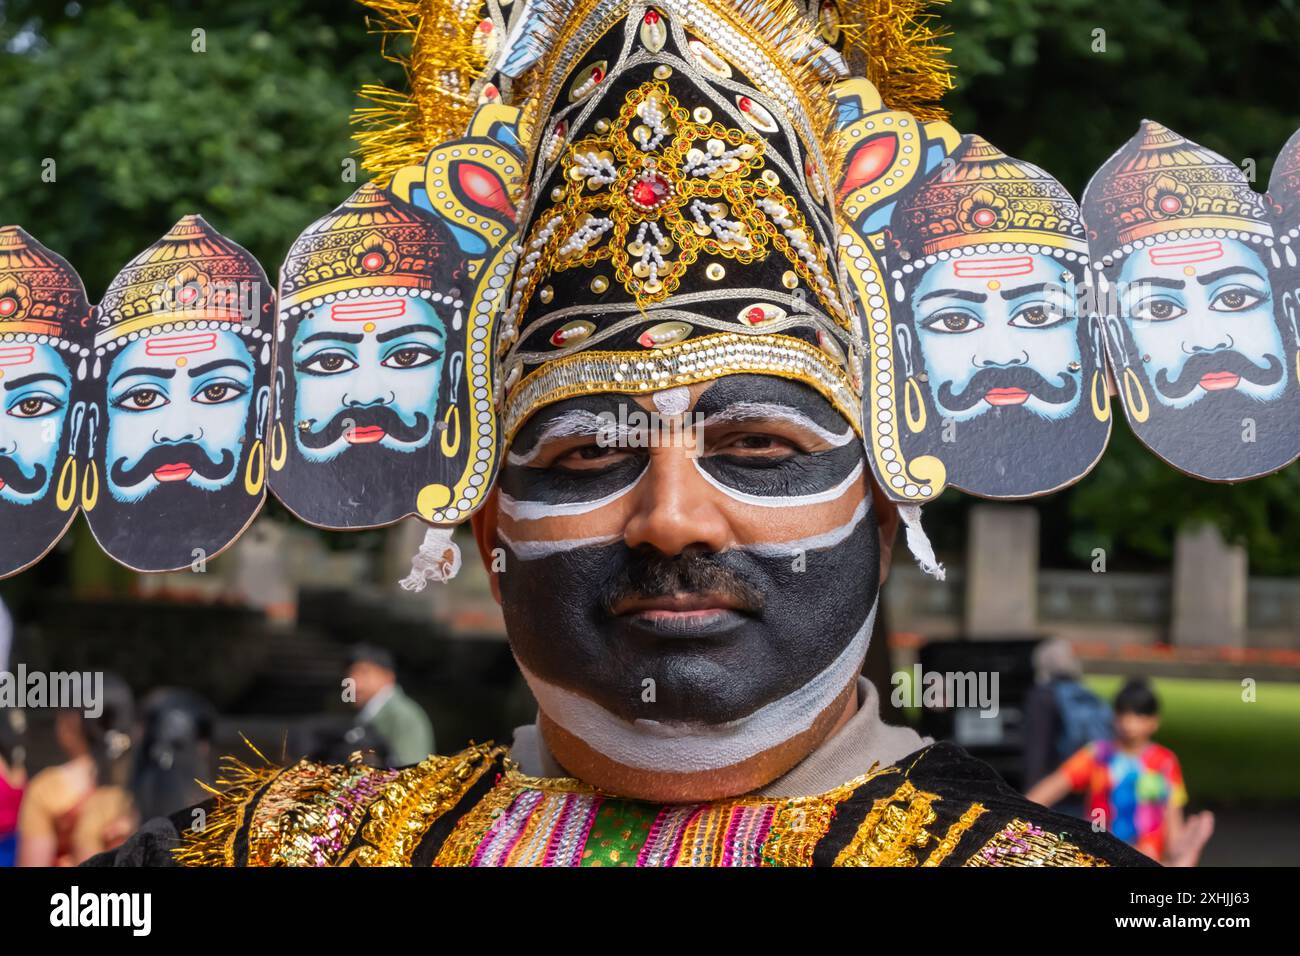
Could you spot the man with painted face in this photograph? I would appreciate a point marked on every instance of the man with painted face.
(44, 336)
(684, 537)
(1191, 293)
(1002, 379)
(183, 381)
(368, 385)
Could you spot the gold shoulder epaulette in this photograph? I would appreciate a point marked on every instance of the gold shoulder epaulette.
(313, 814)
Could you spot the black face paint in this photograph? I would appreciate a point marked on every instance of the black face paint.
(791, 614)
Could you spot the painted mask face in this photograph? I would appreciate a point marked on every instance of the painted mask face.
(35, 398)
(178, 411)
(721, 583)
(999, 342)
(367, 373)
(1203, 322)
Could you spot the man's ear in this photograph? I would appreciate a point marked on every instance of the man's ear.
(484, 523)
(888, 520)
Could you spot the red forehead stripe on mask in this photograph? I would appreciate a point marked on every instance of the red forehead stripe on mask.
(1187, 252)
(180, 344)
(17, 355)
(987, 267)
(368, 311)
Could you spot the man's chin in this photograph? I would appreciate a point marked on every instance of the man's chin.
(581, 759)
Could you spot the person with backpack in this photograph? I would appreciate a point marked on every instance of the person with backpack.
(1061, 716)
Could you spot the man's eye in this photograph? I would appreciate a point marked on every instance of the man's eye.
(410, 357)
(590, 458)
(1038, 316)
(219, 394)
(1158, 310)
(953, 322)
(1236, 299)
(755, 446)
(141, 400)
(327, 363)
(34, 407)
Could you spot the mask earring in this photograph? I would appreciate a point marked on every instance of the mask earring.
(65, 494)
(1135, 395)
(255, 470)
(1100, 400)
(450, 442)
(912, 395)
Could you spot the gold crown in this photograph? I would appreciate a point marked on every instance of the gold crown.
(193, 275)
(1284, 188)
(372, 239)
(982, 197)
(1159, 183)
(40, 293)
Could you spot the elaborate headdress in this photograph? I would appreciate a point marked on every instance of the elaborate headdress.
(1159, 186)
(1284, 196)
(192, 279)
(42, 299)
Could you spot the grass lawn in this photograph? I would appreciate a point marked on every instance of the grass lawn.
(1230, 750)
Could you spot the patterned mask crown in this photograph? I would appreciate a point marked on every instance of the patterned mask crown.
(40, 294)
(193, 278)
(1159, 184)
(372, 238)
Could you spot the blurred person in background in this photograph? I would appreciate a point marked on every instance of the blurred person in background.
(1132, 785)
(13, 778)
(384, 709)
(1061, 716)
(175, 750)
(81, 807)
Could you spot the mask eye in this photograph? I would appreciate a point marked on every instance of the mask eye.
(142, 398)
(219, 393)
(327, 363)
(410, 356)
(1158, 309)
(34, 406)
(952, 322)
(1236, 298)
(1040, 315)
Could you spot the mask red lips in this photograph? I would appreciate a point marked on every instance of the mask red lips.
(366, 435)
(1006, 396)
(177, 472)
(1218, 381)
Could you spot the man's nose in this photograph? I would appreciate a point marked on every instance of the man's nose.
(675, 509)
(367, 390)
(1206, 335)
(176, 428)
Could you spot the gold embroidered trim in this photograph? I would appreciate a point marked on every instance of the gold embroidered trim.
(889, 833)
(240, 784)
(955, 832)
(1021, 843)
(695, 360)
(411, 804)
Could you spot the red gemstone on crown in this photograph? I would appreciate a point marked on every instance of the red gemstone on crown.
(745, 103)
(650, 191)
(1170, 204)
(651, 17)
(8, 306)
(985, 217)
(755, 315)
(597, 74)
(372, 262)
(188, 293)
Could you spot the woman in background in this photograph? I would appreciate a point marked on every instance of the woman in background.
(13, 778)
(81, 807)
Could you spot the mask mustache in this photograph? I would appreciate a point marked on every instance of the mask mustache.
(1015, 376)
(1226, 361)
(368, 417)
(185, 453)
(648, 574)
(11, 475)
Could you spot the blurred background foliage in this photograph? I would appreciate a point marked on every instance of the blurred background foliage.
(253, 134)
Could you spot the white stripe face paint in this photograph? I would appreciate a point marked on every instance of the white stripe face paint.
(816, 542)
(536, 550)
(571, 424)
(697, 748)
(540, 510)
(785, 501)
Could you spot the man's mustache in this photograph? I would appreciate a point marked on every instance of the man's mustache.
(1012, 376)
(11, 475)
(1229, 360)
(649, 574)
(366, 417)
(183, 453)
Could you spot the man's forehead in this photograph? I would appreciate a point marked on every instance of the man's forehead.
(753, 396)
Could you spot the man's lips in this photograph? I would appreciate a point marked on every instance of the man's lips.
(1217, 381)
(682, 615)
(1006, 396)
(177, 472)
(366, 435)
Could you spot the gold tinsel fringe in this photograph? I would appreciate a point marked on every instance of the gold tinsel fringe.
(905, 61)
(237, 785)
(438, 45)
